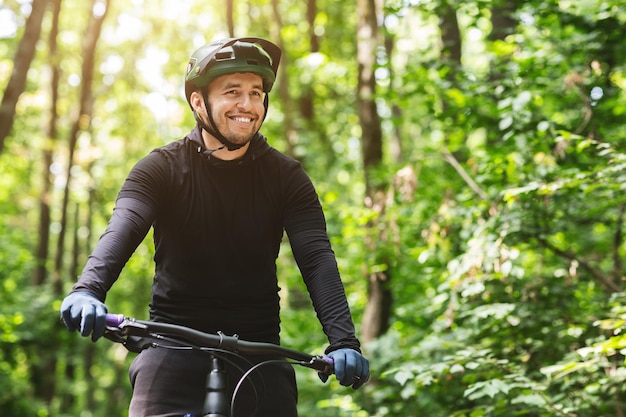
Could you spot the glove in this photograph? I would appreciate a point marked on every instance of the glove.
(84, 312)
(351, 368)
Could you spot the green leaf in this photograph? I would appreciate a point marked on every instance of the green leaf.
(489, 388)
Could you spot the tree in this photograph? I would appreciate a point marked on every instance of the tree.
(52, 132)
(81, 123)
(21, 64)
(378, 308)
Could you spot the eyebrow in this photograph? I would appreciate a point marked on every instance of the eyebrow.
(238, 85)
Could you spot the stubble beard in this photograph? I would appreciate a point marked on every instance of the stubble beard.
(235, 137)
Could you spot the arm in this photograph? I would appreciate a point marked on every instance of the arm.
(83, 309)
(128, 226)
(306, 227)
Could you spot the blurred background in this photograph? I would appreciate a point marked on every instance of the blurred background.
(469, 155)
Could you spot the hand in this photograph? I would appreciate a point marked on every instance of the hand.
(84, 312)
(351, 368)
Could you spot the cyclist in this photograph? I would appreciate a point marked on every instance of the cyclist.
(219, 201)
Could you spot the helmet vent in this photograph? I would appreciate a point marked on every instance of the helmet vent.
(224, 55)
(253, 62)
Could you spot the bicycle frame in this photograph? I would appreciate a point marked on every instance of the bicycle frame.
(129, 331)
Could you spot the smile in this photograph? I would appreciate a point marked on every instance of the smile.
(242, 119)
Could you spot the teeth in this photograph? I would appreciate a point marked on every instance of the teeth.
(242, 119)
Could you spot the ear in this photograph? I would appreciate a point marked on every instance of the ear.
(197, 103)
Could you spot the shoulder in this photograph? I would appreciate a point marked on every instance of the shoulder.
(161, 163)
(284, 160)
(173, 149)
(272, 157)
(174, 153)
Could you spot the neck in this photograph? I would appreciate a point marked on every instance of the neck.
(224, 154)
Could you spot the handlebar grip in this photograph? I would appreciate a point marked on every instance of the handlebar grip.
(329, 367)
(114, 320)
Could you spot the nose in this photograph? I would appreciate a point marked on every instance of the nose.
(245, 101)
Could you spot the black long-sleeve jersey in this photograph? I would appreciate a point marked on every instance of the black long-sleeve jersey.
(218, 226)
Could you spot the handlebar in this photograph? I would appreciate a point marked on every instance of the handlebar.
(118, 326)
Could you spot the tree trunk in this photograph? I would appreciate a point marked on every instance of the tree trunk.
(21, 63)
(306, 100)
(283, 82)
(230, 18)
(396, 112)
(43, 364)
(450, 37)
(81, 123)
(378, 308)
(51, 134)
(503, 22)
(450, 56)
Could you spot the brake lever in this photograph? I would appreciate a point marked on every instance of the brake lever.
(132, 343)
(129, 333)
(114, 335)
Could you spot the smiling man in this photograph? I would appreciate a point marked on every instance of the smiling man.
(236, 103)
(219, 201)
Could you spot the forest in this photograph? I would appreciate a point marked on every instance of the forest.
(470, 157)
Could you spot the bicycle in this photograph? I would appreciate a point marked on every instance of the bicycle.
(137, 335)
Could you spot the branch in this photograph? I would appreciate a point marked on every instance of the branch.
(618, 239)
(595, 272)
(447, 155)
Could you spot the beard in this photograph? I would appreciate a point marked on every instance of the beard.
(233, 129)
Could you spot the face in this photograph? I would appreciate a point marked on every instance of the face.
(236, 103)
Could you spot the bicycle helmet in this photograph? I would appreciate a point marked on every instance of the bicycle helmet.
(229, 56)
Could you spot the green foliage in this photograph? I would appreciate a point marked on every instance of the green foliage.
(24, 322)
(502, 231)
(499, 311)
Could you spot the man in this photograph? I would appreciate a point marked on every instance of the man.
(219, 200)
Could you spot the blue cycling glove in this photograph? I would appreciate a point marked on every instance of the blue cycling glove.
(351, 368)
(82, 311)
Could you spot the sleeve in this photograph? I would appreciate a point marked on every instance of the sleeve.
(306, 228)
(135, 211)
